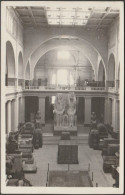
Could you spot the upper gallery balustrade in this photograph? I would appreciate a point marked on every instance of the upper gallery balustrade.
(109, 86)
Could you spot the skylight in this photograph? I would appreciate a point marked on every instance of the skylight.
(62, 16)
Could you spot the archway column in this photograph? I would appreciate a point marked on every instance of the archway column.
(106, 111)
(16, 113)
(42, 109)
(114, 114)
(8, 116)
(87, 111)
(22, 109)
(117, 117)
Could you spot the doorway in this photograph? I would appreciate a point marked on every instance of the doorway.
(49, 107)
(98, 106)
(31, 107)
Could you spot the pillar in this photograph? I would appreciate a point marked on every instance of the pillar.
(42, 109)
(87, 110)
(16, 114)
(8, 116)
(114, 114)
(19, 110)
(22, 110)
(12, 115)
(117, 117)
(110, 111)
(106, 111)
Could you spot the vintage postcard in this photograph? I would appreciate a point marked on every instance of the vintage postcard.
(62, 99)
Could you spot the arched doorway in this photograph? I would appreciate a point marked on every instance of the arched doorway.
(101, 74)
(20, 68)
(10, 65)
(111, 71)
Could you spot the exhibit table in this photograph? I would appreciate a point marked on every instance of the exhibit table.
(67, 152)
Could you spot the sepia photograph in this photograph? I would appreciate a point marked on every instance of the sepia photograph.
(62, 97)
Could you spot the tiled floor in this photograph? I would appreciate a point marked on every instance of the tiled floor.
(48, 154)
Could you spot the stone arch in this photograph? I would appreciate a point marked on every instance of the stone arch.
(101, 73)
(20, 65)
(84, 46)
(27, 71)
(111, 68)
(69, 47)
(10, 63)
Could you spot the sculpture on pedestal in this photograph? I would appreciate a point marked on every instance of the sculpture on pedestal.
(65, 110)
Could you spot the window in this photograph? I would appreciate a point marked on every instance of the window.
(71, 80)
(62, 77)
(54, 79)
(63, 55)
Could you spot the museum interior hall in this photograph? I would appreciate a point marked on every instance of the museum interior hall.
(62, 95)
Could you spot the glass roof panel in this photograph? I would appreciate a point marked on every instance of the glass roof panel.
(67, 21)
(83, 15)
(53, 21)
(53, 14)
(68, 14)
(81, 22)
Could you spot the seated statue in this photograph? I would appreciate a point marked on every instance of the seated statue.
(65, 120)
(59, 108)
(71, 109)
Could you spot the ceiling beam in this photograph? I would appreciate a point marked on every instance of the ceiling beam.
(106, 14)
(32, 16)
(45, 15)
(18, 16)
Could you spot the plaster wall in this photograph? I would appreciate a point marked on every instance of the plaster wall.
(113, 44)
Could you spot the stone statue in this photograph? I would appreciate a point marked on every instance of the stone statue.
(65, 110)
(71, 109)
(59, 108)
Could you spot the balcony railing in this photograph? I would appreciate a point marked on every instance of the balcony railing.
(20, 82)
(61, 88)
(84, 86)
(110, 83)
(11, 81)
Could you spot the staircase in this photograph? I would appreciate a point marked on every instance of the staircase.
(54, 140)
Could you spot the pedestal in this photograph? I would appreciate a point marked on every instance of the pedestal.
(59, 129)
